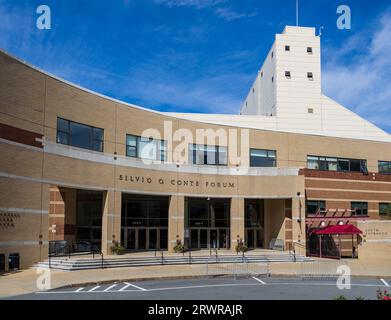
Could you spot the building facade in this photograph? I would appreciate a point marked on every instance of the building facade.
(85, 168)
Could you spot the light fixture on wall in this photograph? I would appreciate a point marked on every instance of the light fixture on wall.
(323, 224)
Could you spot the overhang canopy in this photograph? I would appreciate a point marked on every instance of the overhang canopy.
(339, 229)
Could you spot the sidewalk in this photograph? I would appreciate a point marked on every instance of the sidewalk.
(24, 282)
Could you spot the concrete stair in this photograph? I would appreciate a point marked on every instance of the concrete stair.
(75, 263)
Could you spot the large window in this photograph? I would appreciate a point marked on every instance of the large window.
(385, 210)
(145, 148)
(144, 211)
(203, 213)
(254, 213)
(89, 216)
(79, 135)
(315, 206)
(262, 158)
(360, 208)
(204, 154)
(385, 167)
(336, 164)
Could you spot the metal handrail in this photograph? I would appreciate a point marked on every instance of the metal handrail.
(294, 244)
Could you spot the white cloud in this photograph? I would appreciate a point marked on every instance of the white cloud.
(198, 4)
(229, 14)
(222, 11)
(364, 83)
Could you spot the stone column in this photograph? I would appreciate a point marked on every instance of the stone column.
(176, 221)
(237, 221)
(111, 220)
(298, 223)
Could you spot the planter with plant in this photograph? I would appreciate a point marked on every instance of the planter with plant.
(241, 247)
(116, 248)
(179, 247)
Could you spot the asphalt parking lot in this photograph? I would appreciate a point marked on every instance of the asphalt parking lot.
(249, 288)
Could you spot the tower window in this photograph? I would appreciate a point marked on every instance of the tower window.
(310, 110)
(287, 74)
(287, 48)
(272, 54)
(310, 76)
(309, 50)
(272, 79)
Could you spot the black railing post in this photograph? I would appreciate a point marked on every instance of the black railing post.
(189, 255)
(162, 257)
(102, 259)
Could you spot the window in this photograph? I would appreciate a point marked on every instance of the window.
(79, 135)
(261, 74)
(315, 206)
(272, 54)
(309, 50)
(288, 74)
(385, 210)
(336, 164)
(360, 208)
(272, 79)
(210, 155)
(262, 158)
(287, 48)
(385, 167)
(145, 148)
(310, 110)
(310, 76)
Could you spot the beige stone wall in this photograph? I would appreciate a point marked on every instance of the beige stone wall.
(376, 241)
(33, 101)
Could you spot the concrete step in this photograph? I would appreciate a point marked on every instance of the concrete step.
(82, 264)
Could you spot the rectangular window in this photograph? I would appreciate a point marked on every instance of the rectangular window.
(359, 208)
(385, 167)
(336, 164)
(310, 76)
(210, 155)
(263, 158)
(287, 48)
(385, 210)
(314, 207)
(145, 148)
(309, 50)
(287, 74)
(79, 135)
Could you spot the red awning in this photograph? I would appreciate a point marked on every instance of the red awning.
(339, 229)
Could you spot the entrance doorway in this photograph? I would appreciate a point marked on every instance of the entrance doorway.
(2, 262)
(144, 222)
(145, 238)
(254, 223)
(208, 222)
(13, 261)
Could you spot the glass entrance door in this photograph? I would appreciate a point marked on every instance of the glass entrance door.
(251, 239)
(213, 238)
(145, 238)
(254, 238)
(142, 239)
(131, 239)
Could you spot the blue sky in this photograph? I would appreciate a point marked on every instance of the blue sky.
(200, 55)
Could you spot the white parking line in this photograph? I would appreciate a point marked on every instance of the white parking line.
(385, 282)
(78, 290)
(132, 285)
(94, 288)
(111, 287)
(259, 280)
